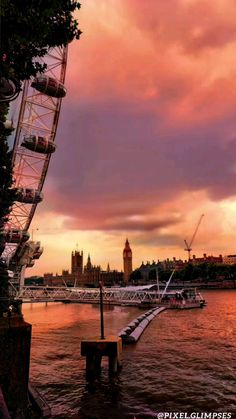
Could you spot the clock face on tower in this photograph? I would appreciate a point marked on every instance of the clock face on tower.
(129, 254)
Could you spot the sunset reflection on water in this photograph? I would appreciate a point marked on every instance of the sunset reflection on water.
(185, 360)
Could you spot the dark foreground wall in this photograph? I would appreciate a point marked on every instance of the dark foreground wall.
(15, 339)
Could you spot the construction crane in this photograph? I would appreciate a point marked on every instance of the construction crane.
(189, 246)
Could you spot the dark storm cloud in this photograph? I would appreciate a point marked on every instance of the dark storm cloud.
(144, 120)
(114, 224)
(113, 162)
(159, 240)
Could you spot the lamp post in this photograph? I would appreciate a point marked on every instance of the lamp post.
(101, 310)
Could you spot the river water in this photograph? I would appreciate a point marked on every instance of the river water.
(185, 360)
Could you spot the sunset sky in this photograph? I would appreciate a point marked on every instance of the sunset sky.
(146, 136)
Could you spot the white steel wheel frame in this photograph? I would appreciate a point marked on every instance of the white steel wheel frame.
(38, 116)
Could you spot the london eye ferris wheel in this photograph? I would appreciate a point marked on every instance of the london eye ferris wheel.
(34, 143)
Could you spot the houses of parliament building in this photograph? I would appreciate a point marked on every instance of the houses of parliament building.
(89, 275)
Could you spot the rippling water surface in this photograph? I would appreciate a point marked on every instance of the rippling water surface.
(184, 361)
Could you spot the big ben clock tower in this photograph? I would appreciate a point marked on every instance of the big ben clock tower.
(127, 257)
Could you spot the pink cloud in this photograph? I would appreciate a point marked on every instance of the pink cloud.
(149, 116)
(163, 57)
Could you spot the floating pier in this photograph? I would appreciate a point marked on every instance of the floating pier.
(133, 331)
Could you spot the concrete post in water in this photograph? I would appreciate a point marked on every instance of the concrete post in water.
(95, 349)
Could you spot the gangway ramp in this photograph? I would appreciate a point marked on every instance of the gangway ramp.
(133, 296)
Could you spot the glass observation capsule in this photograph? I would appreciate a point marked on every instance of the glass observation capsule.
(30, 264)
(49, 86)
(15, 235)
(38, 252)
(28, 196)
(38, 144)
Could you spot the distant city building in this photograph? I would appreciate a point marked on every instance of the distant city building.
(229, 259)
(77, 262)
(111, 277)
(88, 276)
(146, 273)
(67, 279)
(91, 274)
(170, 264)
(64, 280)
(208, 259)
(127, 260)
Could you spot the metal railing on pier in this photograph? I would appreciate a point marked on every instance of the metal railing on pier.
(119, 296)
